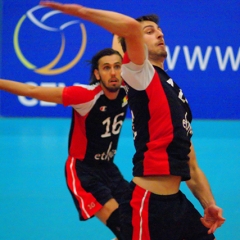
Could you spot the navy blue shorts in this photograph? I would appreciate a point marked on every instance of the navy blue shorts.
(93, 184)
(149, 216)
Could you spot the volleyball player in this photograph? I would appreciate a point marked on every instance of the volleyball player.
(99, 109)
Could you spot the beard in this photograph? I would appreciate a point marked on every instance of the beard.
(156, 55)
(163, 54)
(110, 88)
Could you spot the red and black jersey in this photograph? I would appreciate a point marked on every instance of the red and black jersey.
(161, 121)
(96, 122)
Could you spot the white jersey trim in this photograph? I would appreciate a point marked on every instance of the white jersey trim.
(138, 76)
(75, 188)
(85, 108)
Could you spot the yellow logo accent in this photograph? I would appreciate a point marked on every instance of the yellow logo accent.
(49, 68)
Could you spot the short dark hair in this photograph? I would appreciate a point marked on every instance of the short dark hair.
(95, 61)
(151, 17)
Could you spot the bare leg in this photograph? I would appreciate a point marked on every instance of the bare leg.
(104, 213)
(109, 215)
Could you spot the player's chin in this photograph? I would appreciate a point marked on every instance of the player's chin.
(113, 88)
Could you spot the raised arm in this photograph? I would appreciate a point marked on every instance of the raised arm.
(200, 187)
(116, 45)
(114, 22)
(48, 94)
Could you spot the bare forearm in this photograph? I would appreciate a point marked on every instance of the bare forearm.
(41, 93)
(200, 188)
(120, 25)
(16, 88)
(114, 22)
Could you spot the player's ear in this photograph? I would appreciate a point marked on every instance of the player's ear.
(96, 74)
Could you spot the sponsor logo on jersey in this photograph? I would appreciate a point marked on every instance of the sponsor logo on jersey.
(180, 95)
(103, 108)
(125, 101)
(170, 81)
(106, 156)
(187, 125)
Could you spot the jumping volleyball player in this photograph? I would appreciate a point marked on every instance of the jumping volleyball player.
(155, 208)
(99, 110)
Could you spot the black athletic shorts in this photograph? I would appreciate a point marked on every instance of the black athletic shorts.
(93, 184)
(149, 216)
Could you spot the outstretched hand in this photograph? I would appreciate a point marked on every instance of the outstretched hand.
(212, 218)
(71, 9)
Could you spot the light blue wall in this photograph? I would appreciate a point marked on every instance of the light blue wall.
(36, 205)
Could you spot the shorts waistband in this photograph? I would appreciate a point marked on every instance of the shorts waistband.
(135, 187)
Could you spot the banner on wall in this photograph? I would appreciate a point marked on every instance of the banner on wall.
(44, 47)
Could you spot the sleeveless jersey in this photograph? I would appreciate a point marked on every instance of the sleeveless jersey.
(96, 122)
(161, 121)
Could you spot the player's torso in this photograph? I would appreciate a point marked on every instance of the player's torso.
(102, 126)
(161, 124)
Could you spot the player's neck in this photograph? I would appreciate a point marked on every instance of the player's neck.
(157, 63)
(110, 95)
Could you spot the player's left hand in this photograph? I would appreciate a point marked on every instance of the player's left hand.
(212, 218)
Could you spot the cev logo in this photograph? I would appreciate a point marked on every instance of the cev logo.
(49, 69)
